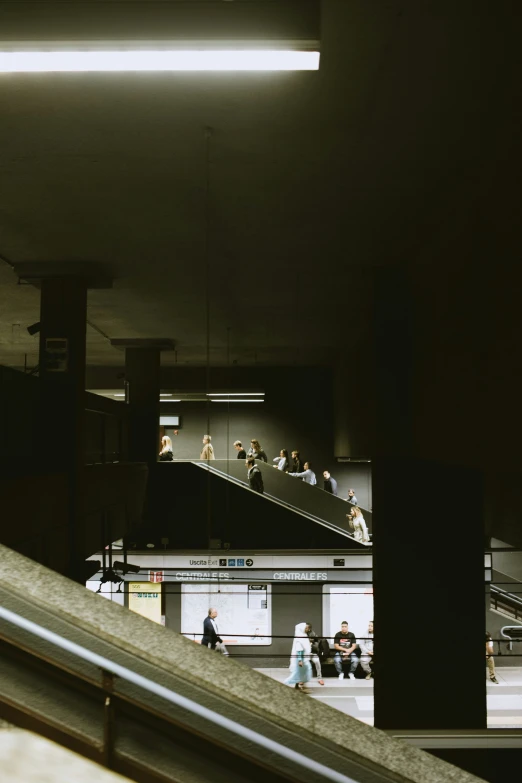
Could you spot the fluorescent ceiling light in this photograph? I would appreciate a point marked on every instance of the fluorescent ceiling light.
(235, 394)
(119, 395)
(23, 59)
(165, 395)
(170, 400)
(237, 400)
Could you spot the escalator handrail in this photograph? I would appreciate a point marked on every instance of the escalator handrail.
(518, 635)
(175, 698)
(316, 486)
(240, 483)
(506, 594)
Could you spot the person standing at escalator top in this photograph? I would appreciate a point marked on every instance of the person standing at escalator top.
(256, 452)
(207, 452)
(165, 454)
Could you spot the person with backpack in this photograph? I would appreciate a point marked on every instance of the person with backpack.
(315, 657)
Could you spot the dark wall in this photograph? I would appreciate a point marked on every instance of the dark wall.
(503, 505)
(19, 400)
(421, 561)
(291, 604)
(35, 519)
(495, 765)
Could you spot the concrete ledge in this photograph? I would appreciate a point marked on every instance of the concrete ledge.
(229, 680)
(27, 758)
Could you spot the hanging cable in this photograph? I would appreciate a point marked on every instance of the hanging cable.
(206, 263)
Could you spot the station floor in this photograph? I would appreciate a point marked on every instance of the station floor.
(355, 697)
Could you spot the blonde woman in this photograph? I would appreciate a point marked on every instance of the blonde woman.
(207, 452)
(358, 525)
(165, 454)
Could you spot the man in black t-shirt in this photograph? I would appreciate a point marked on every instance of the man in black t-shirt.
(241, 453)
(345, 645)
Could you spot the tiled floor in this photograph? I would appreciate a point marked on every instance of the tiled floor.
(355, 697)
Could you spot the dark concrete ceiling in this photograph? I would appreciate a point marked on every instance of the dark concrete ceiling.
(314, 179)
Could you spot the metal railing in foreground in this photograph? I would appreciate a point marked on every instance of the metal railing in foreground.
(174, 698)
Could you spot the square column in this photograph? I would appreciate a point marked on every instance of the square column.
(63, 319)
(61, 427)
(63, 314)
(142, 375)
(428, 554)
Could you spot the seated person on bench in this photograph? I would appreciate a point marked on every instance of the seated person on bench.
(345, 645)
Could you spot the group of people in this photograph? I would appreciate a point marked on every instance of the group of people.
(293, 467)
(303, 471)
(307, 648)
(166, 454)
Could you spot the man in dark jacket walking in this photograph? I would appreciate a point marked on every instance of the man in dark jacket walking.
(255, 477)
(210, 630)
(329, 483)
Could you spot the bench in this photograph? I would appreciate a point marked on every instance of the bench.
(329, 670)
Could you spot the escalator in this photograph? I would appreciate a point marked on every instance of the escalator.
(293, 494)
(198, 504)
(146, 702)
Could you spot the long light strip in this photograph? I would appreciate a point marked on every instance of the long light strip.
(236, 394)
(236, 400)
(157, 60)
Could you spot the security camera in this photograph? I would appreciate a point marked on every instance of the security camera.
(126, 568)
(34, 328)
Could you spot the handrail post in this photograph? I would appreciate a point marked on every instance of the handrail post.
(109, 720)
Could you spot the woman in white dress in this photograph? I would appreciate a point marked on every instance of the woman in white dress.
(300, 666)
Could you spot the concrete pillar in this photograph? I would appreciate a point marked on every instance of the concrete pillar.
(63, 314)
(61, 428)
(142, 375)
(428, 556)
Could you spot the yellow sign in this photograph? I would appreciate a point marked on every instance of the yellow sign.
(145, 599)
